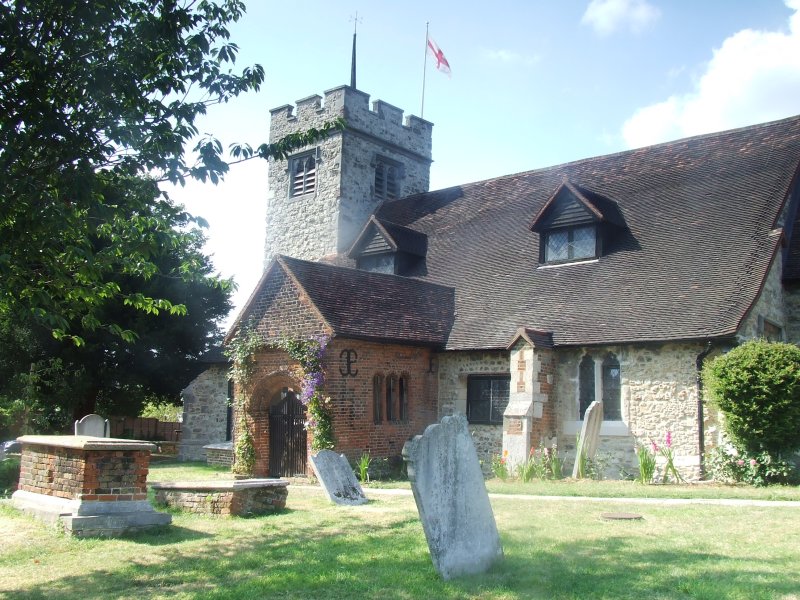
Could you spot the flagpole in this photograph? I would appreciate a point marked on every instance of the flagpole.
(424, 70)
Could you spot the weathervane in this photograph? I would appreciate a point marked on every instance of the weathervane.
(355, 20)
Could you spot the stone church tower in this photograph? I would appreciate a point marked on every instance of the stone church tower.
(319, 199)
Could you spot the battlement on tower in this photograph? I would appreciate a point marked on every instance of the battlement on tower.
(383, 120)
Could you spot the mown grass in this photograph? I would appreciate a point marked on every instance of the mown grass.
(560, 550)
(175, 471)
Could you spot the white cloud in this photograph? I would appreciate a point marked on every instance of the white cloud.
(608, 16)
(510, 57)
(754, 76)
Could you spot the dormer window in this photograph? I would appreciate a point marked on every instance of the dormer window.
(572, 243)
(384, 247)
(574, 223)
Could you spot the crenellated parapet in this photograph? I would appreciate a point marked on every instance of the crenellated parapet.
(383, 120)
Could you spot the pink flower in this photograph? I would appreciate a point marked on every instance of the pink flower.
(740, 463)
(669, 439)
(655, 446)
(753, 462)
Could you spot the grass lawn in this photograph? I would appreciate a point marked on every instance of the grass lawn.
(316, 550)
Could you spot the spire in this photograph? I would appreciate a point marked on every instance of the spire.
(355, 21)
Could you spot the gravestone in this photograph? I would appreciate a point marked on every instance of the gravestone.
(451, 498)
(590, 435)
(92, 425)
(337, 478)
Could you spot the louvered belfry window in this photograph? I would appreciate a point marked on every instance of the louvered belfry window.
(386, 181)
(304, 174)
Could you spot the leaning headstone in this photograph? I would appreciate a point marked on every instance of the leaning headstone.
(92, 425)
(337, 478)
(590, 435)
(451, 499)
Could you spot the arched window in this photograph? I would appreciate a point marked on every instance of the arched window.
(403, 394)
(391, 398)
(585, 384)
(377, 398)
(612, 386)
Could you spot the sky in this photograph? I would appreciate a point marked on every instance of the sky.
(534, 83)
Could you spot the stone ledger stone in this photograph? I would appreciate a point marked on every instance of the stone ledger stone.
(337, 478)
(451, 498)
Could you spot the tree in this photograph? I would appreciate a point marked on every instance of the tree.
(95, 98)
(757, 388)
(45, 384)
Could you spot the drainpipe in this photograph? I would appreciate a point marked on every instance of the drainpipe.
(701, 437)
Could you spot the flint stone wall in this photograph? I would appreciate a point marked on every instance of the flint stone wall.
(205, 412)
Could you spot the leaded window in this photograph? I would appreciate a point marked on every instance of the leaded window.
(303, 174)
(612, 386)
(377, 398)
(487, 398)
(391, 398)
(585, 384)
(402, 385)
(573, 243)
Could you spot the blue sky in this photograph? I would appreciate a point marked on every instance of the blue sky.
(533, 84)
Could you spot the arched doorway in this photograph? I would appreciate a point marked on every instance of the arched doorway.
(287, 435)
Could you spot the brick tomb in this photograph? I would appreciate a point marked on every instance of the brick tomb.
(92, 486)
(244, 497)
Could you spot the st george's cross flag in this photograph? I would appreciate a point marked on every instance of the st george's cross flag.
(441, 62)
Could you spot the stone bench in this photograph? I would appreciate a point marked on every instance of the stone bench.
(242, 497)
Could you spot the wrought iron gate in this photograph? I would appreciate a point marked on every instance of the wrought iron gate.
(287, 436)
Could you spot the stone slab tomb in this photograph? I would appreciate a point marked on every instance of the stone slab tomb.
(91, 486)
(590, 436)
(337, 478)
(451, 499)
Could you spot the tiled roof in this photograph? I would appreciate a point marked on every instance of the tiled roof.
(699, 215)
(365, 305)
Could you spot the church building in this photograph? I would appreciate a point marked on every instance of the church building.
(517, 300)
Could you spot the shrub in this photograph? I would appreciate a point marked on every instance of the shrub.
(730, 465)
(756, 386)
(161, 409)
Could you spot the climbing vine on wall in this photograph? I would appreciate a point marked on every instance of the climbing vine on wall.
(308, 353)
(241, 350)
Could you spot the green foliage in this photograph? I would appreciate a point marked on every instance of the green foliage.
(756, 386)
(309, 353)
(541, 463)
(729, 465)
(244, 451)
(363, 467)
(9, 476)
(161, 409)
(97, 102)
(500, 466)
(241, 350)
(647, 463)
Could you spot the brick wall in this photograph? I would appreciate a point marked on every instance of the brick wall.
(351, 393)
(231, 501)
(101, 475)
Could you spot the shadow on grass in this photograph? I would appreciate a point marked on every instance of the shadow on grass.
(291, 556)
